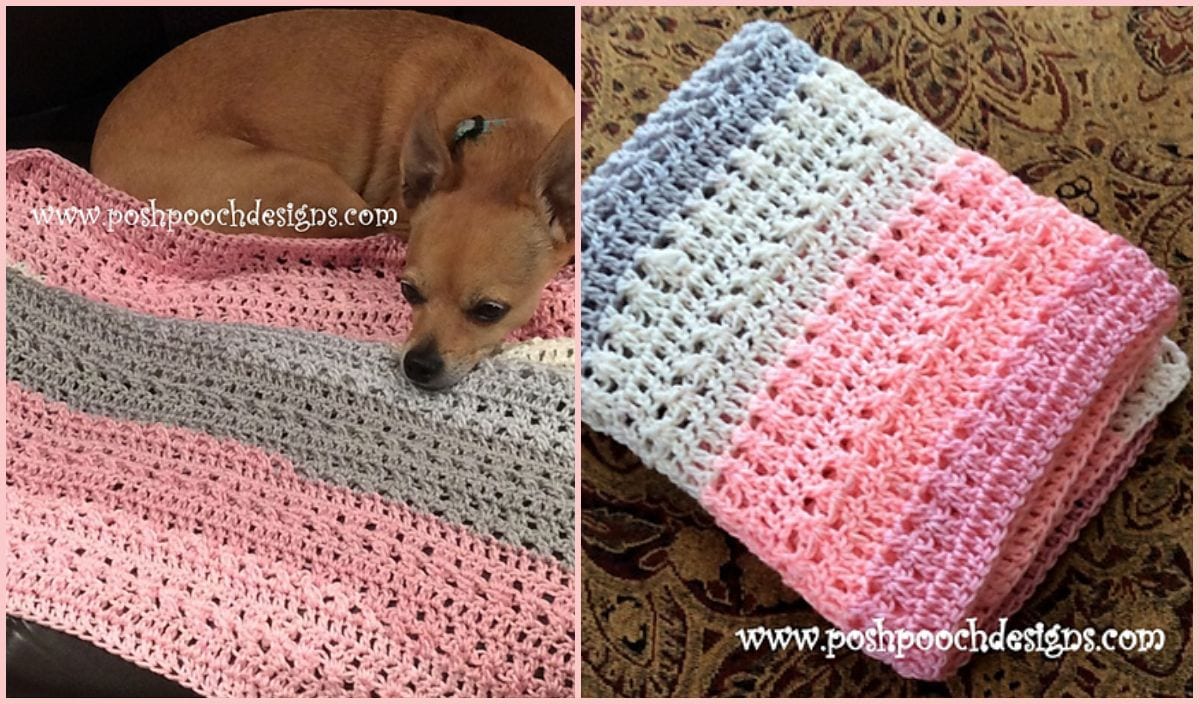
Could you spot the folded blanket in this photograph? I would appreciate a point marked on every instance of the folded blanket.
(895, 373)
(253, 510)
(57, 222)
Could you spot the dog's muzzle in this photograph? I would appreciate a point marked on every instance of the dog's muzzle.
(423, 365)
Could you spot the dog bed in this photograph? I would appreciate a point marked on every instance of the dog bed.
(900, 377)
(252, 509)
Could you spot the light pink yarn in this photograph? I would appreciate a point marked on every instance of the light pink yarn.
(978, 350)
(214, 564)
(344, 287)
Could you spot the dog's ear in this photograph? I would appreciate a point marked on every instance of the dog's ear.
(554, 180)
(425, 163)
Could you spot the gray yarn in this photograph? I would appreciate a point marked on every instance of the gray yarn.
(677, 150)
(496, 453)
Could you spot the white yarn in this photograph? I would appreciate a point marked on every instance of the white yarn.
(557, 352)
(703, 316)
(1163, 380)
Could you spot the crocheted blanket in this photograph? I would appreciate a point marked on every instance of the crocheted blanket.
(57, 219)
(900, 377)
(259, 510)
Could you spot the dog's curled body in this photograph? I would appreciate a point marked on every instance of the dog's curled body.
(342, 110)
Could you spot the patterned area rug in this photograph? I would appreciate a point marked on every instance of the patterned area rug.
(1088, 105)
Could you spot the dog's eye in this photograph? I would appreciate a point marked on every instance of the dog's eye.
(488, 312)
(411, 294)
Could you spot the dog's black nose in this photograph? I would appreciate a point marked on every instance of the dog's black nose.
(423, 364)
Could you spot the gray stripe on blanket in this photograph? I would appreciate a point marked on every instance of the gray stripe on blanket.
(495, 453)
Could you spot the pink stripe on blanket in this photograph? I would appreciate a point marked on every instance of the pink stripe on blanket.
(214, 564)
(1080, 459)
(1082, 503)
(891, 448)
(344, 287)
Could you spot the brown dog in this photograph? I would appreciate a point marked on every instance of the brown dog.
(354, 109)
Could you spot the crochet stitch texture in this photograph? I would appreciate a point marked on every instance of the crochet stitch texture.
(487, 456)
(895, 373)
(252, 510)
(343, 287)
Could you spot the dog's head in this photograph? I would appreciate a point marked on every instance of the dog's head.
(491, 220)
